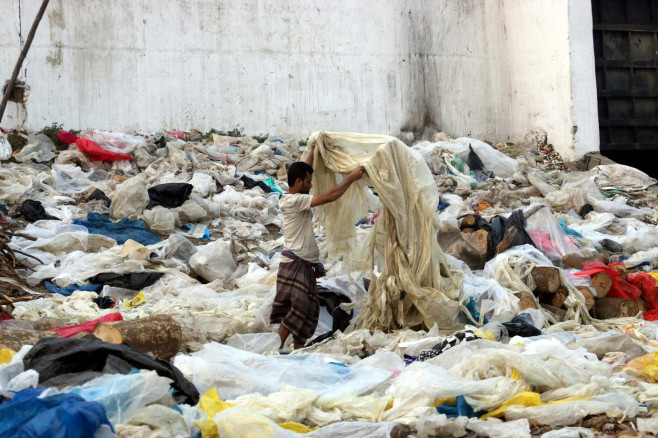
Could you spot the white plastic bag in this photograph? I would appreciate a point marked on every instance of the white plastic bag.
(203, 183)
(214, 261)
(131, 197)
(5, 148)
(160, 219)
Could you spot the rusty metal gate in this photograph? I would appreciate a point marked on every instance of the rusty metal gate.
(626, 52)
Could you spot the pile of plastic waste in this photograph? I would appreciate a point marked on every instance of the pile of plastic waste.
(139, 272)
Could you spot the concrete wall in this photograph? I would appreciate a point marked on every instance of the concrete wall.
(491, 69)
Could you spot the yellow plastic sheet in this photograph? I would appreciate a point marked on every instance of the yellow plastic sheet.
(648, 365)
(211, 405)
(6, 355)
(297, 427)
(137, 300)
(441, 401)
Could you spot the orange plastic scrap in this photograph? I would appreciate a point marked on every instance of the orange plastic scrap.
(647, 365)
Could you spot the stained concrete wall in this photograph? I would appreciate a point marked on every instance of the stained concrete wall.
(491, 69)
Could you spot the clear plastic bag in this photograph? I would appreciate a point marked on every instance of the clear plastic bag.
(497, 162)
(122, 395)
(14, 183)
(547, 234)
(491, 300)
(69, 178)
(40, 148)
(570, 412)
(255, 342)
(154, 421)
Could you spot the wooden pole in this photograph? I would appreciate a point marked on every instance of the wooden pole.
(21, 57)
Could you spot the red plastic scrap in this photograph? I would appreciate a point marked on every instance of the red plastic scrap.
(66, 137)
(67, 332)
(620, 288)
(97, 153)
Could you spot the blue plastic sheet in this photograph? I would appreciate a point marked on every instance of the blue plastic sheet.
(57, 416)
(567, 230)
(274, 186)
(121, 231)
(68, 290)
(471, 306)
(459, 409)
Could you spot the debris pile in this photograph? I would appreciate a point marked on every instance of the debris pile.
(138, 273)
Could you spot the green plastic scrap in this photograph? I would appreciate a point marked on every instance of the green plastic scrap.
(611, 193)
(271, 183)
(458, 164)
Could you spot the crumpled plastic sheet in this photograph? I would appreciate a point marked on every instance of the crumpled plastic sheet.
(237, 422)
(569, 412)
(440, 383)
(637, 235)
(214, 261)
(491, 299)
(621, 177)
(235, 372)
(38, 149)
(154, 420)
(68, 178)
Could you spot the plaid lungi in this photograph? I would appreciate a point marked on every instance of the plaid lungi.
(296, 305)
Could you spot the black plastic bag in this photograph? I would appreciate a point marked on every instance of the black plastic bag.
(133, 280)
(251, 183)
(169, 195)
(52, 357)
(480, 173)
(522, 325)
(34, 211)
(99, 195)
(341, 319)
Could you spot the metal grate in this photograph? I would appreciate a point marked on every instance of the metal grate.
(626, 52)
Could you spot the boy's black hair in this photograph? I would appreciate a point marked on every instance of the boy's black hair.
(298, 169)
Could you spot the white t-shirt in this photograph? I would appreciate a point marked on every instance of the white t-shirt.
(298, 232)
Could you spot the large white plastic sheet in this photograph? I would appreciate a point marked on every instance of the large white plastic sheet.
(236, 372)
(404, 249)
